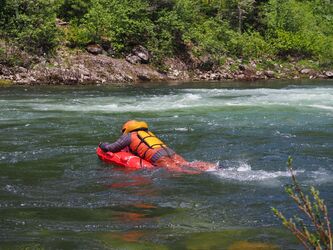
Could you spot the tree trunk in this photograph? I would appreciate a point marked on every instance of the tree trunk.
(240, 18)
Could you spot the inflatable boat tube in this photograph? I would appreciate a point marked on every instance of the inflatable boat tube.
(123, 159)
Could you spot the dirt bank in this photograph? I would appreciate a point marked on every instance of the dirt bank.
(83, 67)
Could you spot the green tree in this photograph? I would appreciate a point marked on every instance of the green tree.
(74, 9)
(124, 24)
(167, 35)
(30, 24)
(235, 12)
(294, 30)
(244, 8)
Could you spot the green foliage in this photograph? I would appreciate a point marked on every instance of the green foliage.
(306, 43)
(166, 33)
(210, 36)
(237, 12)
(74, 9)
(294, 28)
(289, 15)
(123, 23)
(218, 28)
(31, 24)
(11, 59)
(250, 45)
(323, 11)
(326, 56)
(11, 55)
(318, 235)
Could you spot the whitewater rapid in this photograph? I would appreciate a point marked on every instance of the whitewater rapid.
(320, 98)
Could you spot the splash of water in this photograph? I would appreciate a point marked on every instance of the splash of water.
(243, 172)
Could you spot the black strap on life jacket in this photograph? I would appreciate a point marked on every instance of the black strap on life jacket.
(142, 139)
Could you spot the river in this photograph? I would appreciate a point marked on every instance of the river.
(55, 193)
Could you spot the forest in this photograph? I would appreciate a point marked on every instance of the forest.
(247, 29)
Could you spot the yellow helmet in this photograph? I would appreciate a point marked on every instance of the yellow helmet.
(134, 125)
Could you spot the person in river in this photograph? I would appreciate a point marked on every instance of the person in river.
(137, 139)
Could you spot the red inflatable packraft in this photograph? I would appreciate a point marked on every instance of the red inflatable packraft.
(123, 159)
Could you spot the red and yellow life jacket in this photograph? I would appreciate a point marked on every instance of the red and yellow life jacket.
(145, 144)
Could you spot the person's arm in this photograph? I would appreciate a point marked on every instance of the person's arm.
(122, 142)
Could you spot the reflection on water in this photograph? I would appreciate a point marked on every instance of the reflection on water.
(55, 193)
(129, 179)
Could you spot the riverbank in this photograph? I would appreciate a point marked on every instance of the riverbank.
(96, 66)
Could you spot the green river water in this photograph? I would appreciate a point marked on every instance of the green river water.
(56, 194)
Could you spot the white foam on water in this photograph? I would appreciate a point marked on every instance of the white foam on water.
(125, 104)
(320, 176)
(322, 107)
(242, 172)
(319, 98)
(183, 129)
(284, 135)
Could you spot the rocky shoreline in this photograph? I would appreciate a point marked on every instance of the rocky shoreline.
(97, 66)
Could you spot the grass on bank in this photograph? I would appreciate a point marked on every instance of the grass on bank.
(5, 83)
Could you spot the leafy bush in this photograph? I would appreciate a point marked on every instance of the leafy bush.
(74, 9)
(2, 56)
(124, 23)
(31, 24)
(306, 44)
(326, 56)
(250, 45)
(294, 28)
(168, 28)
(210, 36)
(11, 55)
(41, 39)
(289, 15)
(318, 234)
